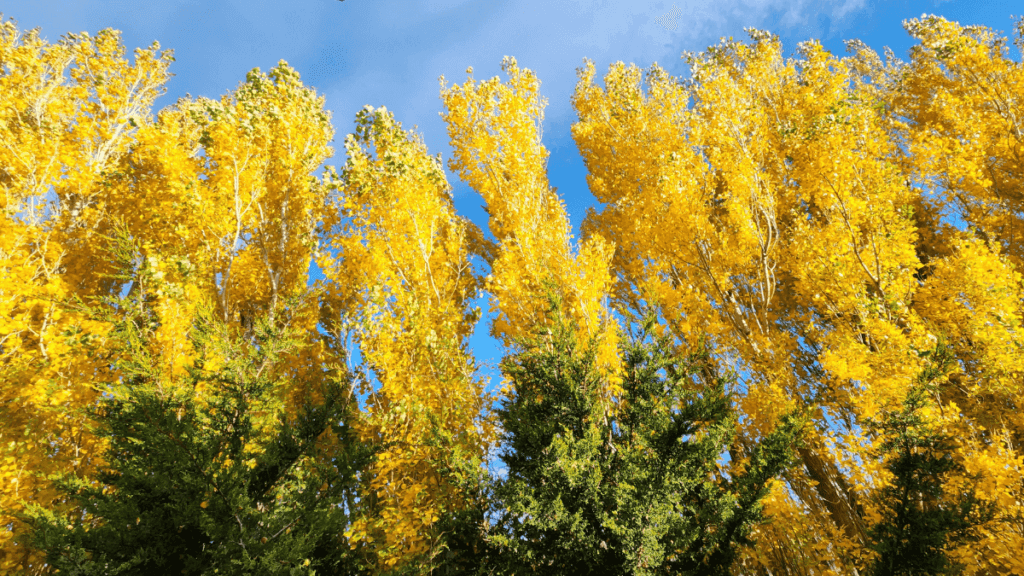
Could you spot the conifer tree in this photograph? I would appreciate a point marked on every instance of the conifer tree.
(210, 471)
(634, 487)
(923, 515)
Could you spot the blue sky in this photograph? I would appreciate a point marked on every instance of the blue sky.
(391, 52)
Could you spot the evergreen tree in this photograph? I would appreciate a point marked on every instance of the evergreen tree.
(212, 471)
(923, 517)
(634, 485)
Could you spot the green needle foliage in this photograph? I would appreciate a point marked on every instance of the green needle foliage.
(227, 481)
(638, 487)
(922, 515)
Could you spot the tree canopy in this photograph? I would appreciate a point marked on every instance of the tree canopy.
(789, 340)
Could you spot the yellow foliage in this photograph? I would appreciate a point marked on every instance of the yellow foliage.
(821, 223)
(68, 112)
(495, 131)
(401, 283)
(777, 207)
(218, 198)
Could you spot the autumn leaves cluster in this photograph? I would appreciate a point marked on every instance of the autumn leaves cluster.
(824, 226)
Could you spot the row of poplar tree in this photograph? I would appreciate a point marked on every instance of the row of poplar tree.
(790, 341)
(584, 489)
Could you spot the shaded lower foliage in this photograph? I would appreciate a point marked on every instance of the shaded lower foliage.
(638, 486)
(923, 514)
(229, 481)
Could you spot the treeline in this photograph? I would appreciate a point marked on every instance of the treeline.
(790, 340)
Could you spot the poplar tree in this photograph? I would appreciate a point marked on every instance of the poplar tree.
(814, 221)
(825, 218)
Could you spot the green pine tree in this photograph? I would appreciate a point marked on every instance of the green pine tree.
(638, 488)
(921, 517)
(225, 481)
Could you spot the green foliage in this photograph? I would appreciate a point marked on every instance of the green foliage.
(922, 515)
(462, 530)
(637, 486)
(226, 481)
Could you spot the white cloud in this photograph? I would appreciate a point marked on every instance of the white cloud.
(548, 36)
